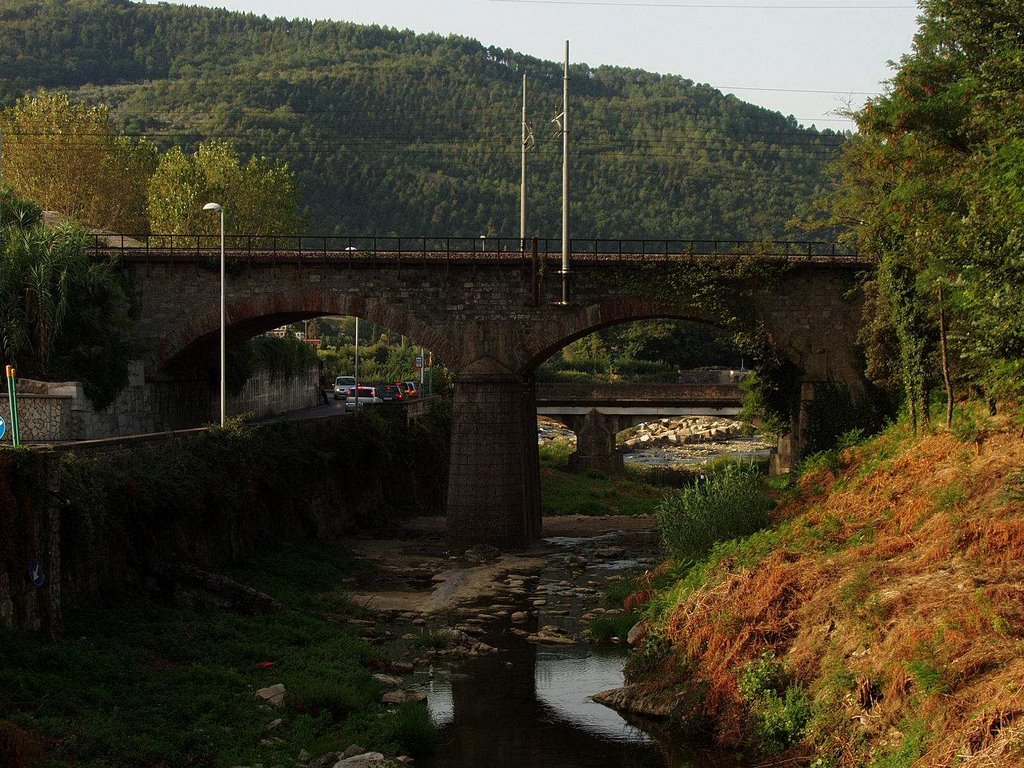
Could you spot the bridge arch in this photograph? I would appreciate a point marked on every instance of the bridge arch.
(249, 317)
(582, 322)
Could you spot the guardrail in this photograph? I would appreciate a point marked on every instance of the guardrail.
(259, 248)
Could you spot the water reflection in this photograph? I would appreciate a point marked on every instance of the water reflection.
(531, 706)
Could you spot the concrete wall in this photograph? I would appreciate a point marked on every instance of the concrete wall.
(264, 395)
(52, 412)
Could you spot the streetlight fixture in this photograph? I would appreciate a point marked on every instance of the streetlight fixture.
(218, 208)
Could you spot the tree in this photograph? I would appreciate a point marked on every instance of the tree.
(68, 158)
(931, 188)
(62, 315)
(259, 197)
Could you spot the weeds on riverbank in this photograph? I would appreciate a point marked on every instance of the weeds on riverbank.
(888, 592)
(137, 683)
(720, 506)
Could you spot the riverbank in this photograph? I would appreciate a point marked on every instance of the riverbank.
(387, 643)
(265, 663)
(878, 622)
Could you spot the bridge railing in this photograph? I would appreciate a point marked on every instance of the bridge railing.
(176, 247)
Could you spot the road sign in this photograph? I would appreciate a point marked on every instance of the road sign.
(3, 427)
(418, 364)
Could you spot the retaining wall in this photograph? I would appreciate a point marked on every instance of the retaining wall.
(53, 412)
(82, 523)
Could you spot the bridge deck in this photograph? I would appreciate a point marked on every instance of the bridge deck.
(654, 400)
(381, 252)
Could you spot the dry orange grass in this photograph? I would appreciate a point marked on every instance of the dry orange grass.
(911, 580)
(19, 748)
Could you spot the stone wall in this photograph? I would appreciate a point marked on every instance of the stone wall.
(52, 412)
(42, 417)
(75, 532)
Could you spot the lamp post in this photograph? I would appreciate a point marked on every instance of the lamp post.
(218, 208)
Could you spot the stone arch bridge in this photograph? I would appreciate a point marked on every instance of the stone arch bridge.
(491, 311)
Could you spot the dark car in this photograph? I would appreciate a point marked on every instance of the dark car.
(390, 393)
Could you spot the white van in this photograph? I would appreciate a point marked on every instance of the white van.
(343, 386)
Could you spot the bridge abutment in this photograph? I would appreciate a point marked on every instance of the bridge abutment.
(494, 476)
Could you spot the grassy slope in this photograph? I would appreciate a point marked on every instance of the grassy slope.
(890, 590)
(139, 683)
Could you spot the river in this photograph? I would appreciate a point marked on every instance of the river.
(528, 703)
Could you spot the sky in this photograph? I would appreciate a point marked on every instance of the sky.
(806, 58)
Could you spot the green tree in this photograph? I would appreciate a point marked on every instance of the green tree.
(62, 315)
(931, 188)
(260, 198)
(69, 158)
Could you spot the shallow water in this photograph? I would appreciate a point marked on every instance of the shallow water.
(529, 705)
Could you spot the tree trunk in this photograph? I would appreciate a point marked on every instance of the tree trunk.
(946, 380)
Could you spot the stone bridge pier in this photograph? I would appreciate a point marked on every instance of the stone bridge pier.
(595, 442)
(494, 475)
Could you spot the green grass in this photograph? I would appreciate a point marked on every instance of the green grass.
(604, 628)
(137, 683)
(725, 505)
(915, 738)
(594, 493)
(591, 492)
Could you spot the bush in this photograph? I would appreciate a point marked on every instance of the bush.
(718, 507)
(604, 628)
(780, 709)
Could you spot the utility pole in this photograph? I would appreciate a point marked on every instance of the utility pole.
(565, 180)
(527, 146)
(355, 372)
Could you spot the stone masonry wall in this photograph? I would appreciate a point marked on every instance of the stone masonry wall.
(53, 412)
(58, 555)
(41, 417)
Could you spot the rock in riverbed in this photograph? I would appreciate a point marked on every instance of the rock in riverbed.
(640, 700)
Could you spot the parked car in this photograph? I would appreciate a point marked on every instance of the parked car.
(410, 388)
(390, 393)
(343, 386)
(365, 396)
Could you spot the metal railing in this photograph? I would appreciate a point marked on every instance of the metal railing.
(258, 248)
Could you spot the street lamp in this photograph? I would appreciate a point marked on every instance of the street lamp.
(218, 208)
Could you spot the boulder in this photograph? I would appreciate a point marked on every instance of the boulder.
(273, 694)
(364, 759)
(403, 697)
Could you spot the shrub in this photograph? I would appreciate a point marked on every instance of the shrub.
(719, 507)
(780, 709)
(556, 453)
(604, 628)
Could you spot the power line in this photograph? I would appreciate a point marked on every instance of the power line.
(758, 6)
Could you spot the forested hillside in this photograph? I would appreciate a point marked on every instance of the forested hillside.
(393, 132)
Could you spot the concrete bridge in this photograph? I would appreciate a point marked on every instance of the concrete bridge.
(492, 314)
(598, 412)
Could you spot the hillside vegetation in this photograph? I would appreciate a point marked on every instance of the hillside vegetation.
(878, 622)
(393, 132)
